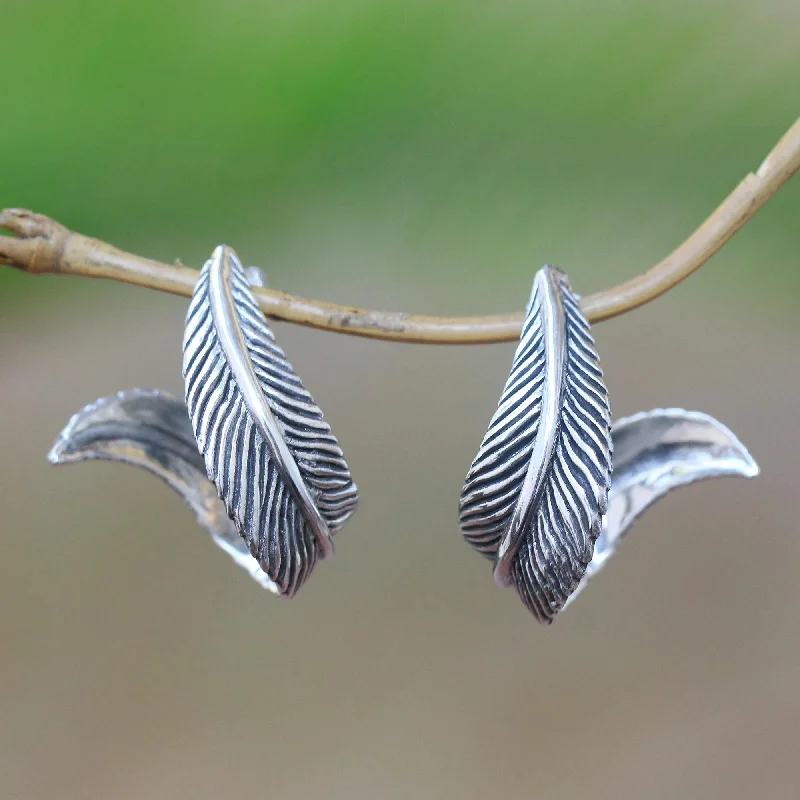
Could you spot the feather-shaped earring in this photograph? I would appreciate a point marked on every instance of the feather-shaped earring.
(276, 465)
(255, 460)
(536, 493)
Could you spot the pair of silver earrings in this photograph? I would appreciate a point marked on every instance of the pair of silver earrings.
(252, 455)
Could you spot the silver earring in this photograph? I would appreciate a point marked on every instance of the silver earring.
(276, 465)
(539, 499)
(249, 451)
(535, 495)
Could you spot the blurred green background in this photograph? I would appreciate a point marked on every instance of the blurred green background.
(428, 157)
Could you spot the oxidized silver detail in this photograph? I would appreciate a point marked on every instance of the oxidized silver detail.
(151, 429)
(655, 452)
(536, 492)
(234, 347)
(276, 465)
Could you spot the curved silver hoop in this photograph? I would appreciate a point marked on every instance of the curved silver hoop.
(539, 499)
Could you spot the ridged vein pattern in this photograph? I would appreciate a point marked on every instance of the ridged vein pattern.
(563, 519)
(256, 493)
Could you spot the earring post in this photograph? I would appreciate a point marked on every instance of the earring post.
(40, 245)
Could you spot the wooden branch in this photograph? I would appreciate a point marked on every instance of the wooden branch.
(45, 246)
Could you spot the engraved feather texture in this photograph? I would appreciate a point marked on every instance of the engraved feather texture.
(535, 495)
(276, 465)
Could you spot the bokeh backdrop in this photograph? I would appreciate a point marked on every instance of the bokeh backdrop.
(427, 157)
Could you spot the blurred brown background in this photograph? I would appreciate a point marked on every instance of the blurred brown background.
(426, 157)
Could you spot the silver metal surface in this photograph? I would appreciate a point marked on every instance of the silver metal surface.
(150, 429)
(236, 354)
(655, 452)
(276, 465)
(256, 277)
(554, 340)
(536, 492)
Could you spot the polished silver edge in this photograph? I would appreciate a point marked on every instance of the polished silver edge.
(639, 482)
(232, 342)
(555, 345)
(114, 428)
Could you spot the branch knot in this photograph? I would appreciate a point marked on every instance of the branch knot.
(45, 239)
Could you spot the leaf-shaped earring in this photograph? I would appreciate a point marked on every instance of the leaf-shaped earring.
(276, 465)
(536, 493)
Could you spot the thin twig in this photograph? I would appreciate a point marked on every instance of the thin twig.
(45, 246)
